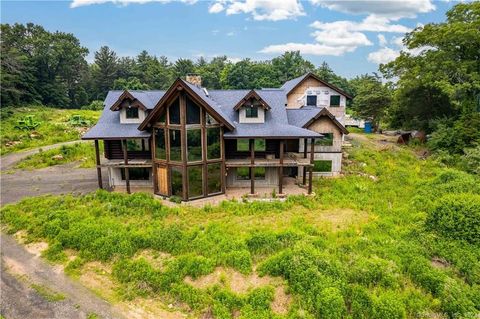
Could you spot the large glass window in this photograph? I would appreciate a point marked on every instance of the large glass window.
(243, 173)
(251, 112)
(326, 140)
(194, 145)
(259, 173)
(160, 150)
(334, 100)
(213, 143)
(260, 145)
(242, 145)
(311, 100)
(175, 145)
(136, 174)
(131, 113)
(174, 112)
(193, 112)
(195, 181)
(214, 178)
(177, 181)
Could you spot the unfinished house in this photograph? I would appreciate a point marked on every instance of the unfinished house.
(191, 142)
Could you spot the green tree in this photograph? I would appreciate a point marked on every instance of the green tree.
(372, 98)
(291, 65)
(104, 71)
(182, 67)
(129, 84)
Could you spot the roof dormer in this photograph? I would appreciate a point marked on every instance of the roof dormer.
(251, 108)
(131, 109)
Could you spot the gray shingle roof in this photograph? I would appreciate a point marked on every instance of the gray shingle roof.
(290, 84)
(300, 117)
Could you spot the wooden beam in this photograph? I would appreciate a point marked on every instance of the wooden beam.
(305, 142)
(252, 163)
(153, 150)
(280, 169)
(310, 173)
(183, 122)
(224, 170)
(99, 168)
(125, 159)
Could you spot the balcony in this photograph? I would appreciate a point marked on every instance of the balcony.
(290, 160)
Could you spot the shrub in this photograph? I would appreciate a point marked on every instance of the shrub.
(425, 275)
(330, 304)
(360, 302)
(456, 216)
(388, 305)
(472, 159)
(240, 260)
(260, 298)
(95, 105)
(455, 302)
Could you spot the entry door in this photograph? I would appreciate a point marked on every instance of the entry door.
(162, 180)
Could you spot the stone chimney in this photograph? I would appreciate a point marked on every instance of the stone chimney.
(194, 79)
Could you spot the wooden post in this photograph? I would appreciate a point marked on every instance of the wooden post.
(224, 169)
(125, 158)
(252, 163)
(99, 169)
(310, 173)
(280, 169)
(183, 137)
(153, 150)
(304, 182)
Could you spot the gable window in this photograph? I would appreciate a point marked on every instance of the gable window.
(131, 113)
(334, 100)
(193, 112)
(311, 100)
(251, 112)
(174, 113)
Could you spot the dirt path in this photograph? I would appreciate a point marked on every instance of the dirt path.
(9, 160)
(19, 300)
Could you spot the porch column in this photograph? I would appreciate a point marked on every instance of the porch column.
(310, 173)
(252, 163)
(304, 182)
(125, 159)
(99, 169)
(280, 169)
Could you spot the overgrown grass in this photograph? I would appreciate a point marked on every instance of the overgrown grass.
(47, 293)
(385, 264)
(84, 153)
(55, 127)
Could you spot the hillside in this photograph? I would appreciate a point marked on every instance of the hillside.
(372, 244)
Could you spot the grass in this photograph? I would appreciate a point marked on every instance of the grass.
(47, 293)
(360, 249)
(84, 153)
(55, 127)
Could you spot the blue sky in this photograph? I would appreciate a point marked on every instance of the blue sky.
(351, 36)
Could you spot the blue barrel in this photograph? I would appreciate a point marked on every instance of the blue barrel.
(368, 127)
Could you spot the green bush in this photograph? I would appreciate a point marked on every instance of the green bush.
(456, 303)
(425, 275)
(330, 304)
(388, 305)
(456, 217)
(95, 105)
(360, 302)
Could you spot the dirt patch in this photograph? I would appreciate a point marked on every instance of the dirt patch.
(149, 308)
(14, 267)
(439, 263)
(37, 248)
(281, 302)
(96, 277)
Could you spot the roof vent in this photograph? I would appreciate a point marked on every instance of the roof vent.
(194, 79)
(205, 91)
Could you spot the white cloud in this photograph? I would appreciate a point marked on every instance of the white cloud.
(81, 3)
(382, 41)
(272, 10)
(392, 9)
(398, 41)
(217, 7)
(371, 23)
(384, 55)
(341, 37)
(230, 34)
(308, 48)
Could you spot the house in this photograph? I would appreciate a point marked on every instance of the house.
(192, 142)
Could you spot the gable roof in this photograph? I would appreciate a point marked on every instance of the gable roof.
(305, 116)
(197, 94)
(293, 83)
(251, 94)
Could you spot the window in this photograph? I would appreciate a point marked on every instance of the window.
(194, 145)
(322, 166)
(327, 140)
(177, 181)
(137, 145)
(174, 112)
(175, 145)
(311, 100)
(243, 173)
(214, 178)
(162, 118)
(334, 100)
(259, 173)
(259, 145)
(193, 112)
(136, 174)
(242, 145)
(213, 143)
(160, 151)
(251, 112)
(195, 181)
(131, 113)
